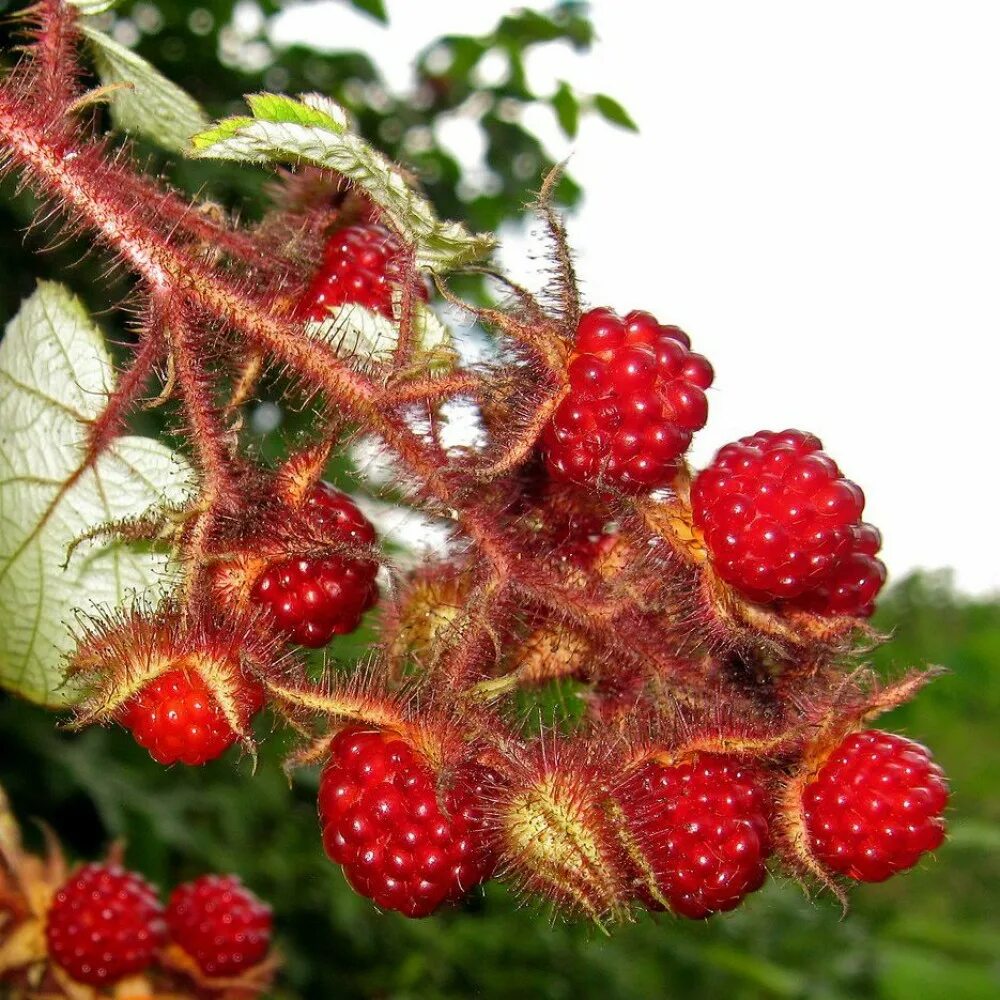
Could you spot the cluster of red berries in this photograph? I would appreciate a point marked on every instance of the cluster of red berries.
(309, 600)
(782, 524)
(636, 396)
(106, 923)
(314, 599)
(399, 842)
(696, 834)
(361, 266)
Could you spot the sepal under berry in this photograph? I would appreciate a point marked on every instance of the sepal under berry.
(182, 680)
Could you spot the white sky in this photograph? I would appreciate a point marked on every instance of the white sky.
(814, 195)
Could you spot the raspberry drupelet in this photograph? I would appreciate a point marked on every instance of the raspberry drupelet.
(636, 396)
(875, 806)
(701, 830)
(220, 923)
(361, 265)
(104, 924)
(782, 524)
(399, 843)
(315, 598)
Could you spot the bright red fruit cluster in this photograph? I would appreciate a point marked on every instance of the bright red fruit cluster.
(876, 806)
(223, 926)
(636, 396)
(701, 828)
(104, 924)
(314, 599)
(401, 842)
(178, 719)
(782, 524)
(361, 265)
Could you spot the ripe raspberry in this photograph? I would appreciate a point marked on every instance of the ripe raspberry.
(315, 599)
(361, 264)
(875, 806)
(220, 923)
(702, 830)
(637, 394)
(104, 924)
(399, 844)
(782, 523)
(177, 718)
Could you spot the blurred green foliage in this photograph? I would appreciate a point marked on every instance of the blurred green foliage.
(929, 934)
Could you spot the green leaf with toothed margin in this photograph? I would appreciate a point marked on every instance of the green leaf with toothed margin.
(148, 104)
(314, 129)
(55, 378)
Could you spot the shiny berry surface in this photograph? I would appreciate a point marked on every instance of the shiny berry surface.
(315, 598)
(361, 264)
(875, 806)
(782, 523)
(178, 719)
(104, 924)
(701, 828)
(636, 397)
(400, 843)
(220, 923)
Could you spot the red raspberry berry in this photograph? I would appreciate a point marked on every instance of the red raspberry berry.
(782, 523)
(220, 923)
(875, 806)
(637, 394)
(314, 599)
(361, 264)
(104, 924)
(177, 718)
(399, 843)
(702, 830)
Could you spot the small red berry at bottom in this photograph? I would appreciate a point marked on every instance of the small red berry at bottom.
(399, 844)
(314, 599)
(178, 719)
(104, 924)
(876, 806)
(701, 829)
(220, 923)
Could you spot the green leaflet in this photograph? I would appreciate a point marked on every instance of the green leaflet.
(314, 129)
(149, 104)
(55, 376)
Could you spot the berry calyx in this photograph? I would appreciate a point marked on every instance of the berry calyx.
(104, 924)
(782, 524)
(697, 833)
(636, 396)
(220, 923)
(361, 265)
(315, 598)
(177, 718)
(875, 806)
(401, 844)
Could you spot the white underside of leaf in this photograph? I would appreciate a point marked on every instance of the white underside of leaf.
(55, 376)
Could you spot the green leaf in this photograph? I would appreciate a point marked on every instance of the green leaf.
(567, 109)
(610, 110)
(313, 129)
(375, 8)
(362, 335)
(55, 376)
(149, 104)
